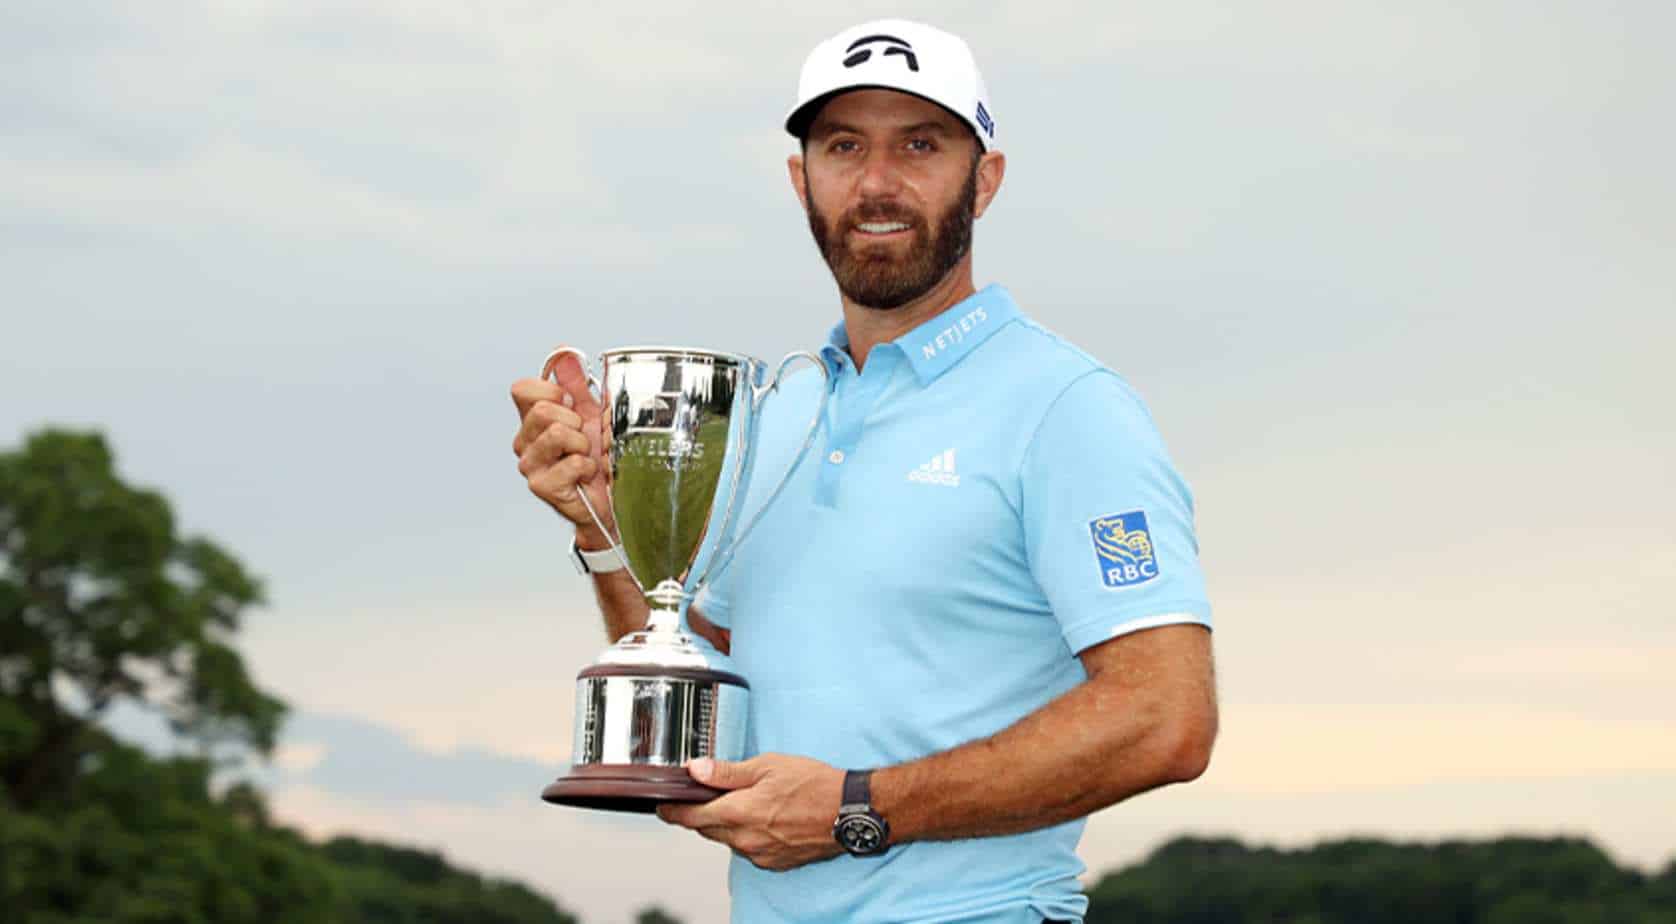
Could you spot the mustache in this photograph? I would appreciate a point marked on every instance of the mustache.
(883, 210)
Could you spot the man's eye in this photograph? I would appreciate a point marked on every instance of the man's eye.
(844, 147)
(922, 145)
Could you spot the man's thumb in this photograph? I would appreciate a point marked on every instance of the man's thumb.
(567, 370)
(723, 774)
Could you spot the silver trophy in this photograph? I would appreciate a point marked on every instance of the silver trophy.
(681, 429)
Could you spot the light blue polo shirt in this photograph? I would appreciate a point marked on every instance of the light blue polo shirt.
(982, 502)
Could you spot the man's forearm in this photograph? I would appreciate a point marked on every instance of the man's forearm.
(620, 601)
(1126, 730)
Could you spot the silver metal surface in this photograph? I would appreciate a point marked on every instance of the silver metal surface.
(681, 430)
(680, 427)
(658, 721)
(664, 649)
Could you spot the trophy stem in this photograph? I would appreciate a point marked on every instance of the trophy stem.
(669, 599)
(664, 620)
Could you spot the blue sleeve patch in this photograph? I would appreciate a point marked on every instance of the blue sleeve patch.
(1123, 548)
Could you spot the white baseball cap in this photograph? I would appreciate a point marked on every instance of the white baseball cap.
(894, 54)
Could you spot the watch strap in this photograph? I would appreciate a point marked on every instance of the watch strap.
(858, 790)
(859, 829)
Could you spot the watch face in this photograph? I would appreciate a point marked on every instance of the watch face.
(861, 834)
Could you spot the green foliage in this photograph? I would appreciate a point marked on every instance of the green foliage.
(1523, 880)
(655, 915)
(385, 883)
(101, 600)
(147, 841)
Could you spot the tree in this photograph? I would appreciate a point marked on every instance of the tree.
(1512, 880)
(655, 915)
(101, 600)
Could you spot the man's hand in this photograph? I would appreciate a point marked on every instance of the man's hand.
(778, 815)
(561, 445)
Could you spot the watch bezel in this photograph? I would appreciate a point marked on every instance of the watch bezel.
(844, 830)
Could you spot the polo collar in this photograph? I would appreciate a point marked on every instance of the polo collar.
(934, 347)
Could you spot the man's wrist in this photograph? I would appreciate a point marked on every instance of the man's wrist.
(859, 828)
(591, 538)
(606, 558)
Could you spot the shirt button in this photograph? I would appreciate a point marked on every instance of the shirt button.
(837, 457)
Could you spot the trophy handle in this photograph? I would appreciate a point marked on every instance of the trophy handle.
(759, 394)
(547, 373)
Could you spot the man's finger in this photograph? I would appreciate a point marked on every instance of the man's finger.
(552, 443)
(724, 774)
(685, 814)
(563, 480)
(718, 833)
(540, 417)
(718, 812)
(573, 379)
(526, 392)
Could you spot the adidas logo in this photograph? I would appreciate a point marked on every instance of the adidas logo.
(940, 470)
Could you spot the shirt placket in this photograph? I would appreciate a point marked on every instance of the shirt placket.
(854, 395)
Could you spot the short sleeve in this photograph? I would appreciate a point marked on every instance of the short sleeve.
(1108, 523)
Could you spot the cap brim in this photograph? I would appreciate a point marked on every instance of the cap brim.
(797, 123)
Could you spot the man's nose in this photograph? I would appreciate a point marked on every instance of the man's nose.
(879, 174)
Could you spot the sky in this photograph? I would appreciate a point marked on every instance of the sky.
(1394, 279)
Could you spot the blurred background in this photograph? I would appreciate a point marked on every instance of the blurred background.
(1395, 280)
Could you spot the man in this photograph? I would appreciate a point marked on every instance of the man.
(976, 615)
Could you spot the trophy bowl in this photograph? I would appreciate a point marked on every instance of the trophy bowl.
(681, 428)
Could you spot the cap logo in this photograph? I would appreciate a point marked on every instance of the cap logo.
(984, 120)
(897, 47)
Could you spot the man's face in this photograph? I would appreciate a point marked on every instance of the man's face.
(890, 187)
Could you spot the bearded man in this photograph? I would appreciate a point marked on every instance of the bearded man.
(977, 615)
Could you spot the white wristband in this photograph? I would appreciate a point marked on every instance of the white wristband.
(603, 561)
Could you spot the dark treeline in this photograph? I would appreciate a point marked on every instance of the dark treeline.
(144, 839)
(1506, 881)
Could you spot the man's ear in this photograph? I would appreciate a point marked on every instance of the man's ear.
(992, 166)
(799, 182)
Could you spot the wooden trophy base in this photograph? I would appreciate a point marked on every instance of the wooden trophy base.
(626, 788)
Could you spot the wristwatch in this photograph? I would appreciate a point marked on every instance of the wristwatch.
(860, 830)
(603, 561)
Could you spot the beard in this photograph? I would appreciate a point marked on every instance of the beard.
(871, 275)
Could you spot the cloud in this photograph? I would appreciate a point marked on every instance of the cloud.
(1325, 747)
(364, 760)
(299, 758)
(495, 675)
(465, 138)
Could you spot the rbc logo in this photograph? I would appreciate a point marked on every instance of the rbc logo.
(1123, 547)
